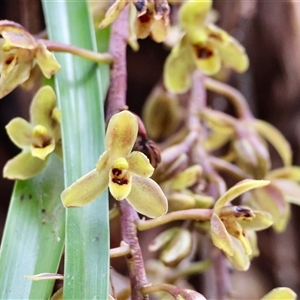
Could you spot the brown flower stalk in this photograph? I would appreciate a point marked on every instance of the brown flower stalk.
(117, 102)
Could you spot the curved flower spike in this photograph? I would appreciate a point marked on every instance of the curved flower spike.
(229, 224)
(19, 52)
(37, 139)
(126, 173)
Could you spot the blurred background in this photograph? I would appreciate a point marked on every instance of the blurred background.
(270, 31)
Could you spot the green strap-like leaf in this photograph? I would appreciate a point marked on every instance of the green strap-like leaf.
(80, 92)
(34, 235)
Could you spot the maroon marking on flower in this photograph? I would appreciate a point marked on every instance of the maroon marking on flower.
(9, 60)
(116, 172)
(203, 52)
(144, 18)
(120, 181)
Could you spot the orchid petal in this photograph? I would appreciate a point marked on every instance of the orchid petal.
(281, 293)
(271, 199)
(192, 14)
(234, 56)
(178, 68)
(20, 132)
(236, 230)
(206, 59)
(43, 152)
(142, 25)
(262, 220)
(120, 187)
(238, 189)
(121, 134)
(103, 162)
(159, 30)
(289, 172)
(239, 259)
(276, 139)
(16, 35)
(113, 13)
(42, 107)
(139, 164)
(86, 189)
(147, 198)
(252, 238)
(290, 190)
(46, 61)
(23, 166)
(220, 236)
(17, 75)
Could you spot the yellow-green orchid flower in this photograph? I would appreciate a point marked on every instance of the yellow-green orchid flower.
(276, 198)
(19, 52)
(145, 18)
(38, 138)
(230, 223)
(126, 173)
(203, 47)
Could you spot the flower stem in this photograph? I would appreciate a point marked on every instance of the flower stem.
(104, 58)
(134, 259)
(222, 276)
(118, 74)
(236, 98)
(123, 250)
(196, 214)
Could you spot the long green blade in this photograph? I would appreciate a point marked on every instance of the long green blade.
(33, 237)
(80, 95)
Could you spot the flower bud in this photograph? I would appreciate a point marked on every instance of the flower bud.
(161, 114)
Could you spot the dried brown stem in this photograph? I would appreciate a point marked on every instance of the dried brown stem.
(134, 259)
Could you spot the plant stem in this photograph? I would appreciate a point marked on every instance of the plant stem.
(123, 250)
(134, 259)
(196, 214)
(104, 58)
(222, 277)
(236, 98)
(118, 75)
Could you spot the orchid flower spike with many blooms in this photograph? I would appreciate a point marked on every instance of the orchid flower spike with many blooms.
(124, 171)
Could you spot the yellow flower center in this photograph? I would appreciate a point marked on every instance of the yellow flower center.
(41, 137)
(119, 171)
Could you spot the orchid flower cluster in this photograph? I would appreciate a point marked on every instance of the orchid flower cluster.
(192, 148)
